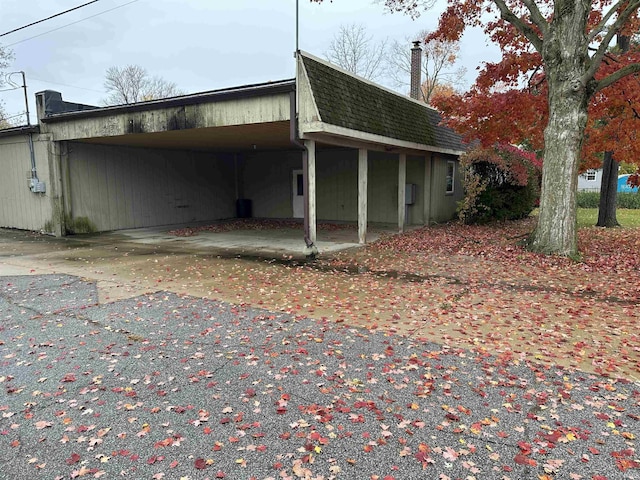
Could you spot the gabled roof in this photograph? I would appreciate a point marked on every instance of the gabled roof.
(347, 101)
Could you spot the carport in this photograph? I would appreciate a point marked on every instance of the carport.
(308, 148)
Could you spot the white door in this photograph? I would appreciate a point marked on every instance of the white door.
(298, 194)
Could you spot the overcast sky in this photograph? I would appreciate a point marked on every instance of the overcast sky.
(198, 44)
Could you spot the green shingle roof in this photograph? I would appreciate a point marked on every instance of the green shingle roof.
(345, 101)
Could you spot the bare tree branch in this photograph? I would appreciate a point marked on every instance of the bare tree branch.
(617, 75)
(355, 51)
(132, 84)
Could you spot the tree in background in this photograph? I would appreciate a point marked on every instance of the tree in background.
(554, 74)
(440, 73)
(133, 84)
(354, 50)
(5, 58)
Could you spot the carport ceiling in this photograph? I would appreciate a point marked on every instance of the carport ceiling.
(238, 138)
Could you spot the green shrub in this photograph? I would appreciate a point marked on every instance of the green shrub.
(629, 200)
(588, 199)
(501, 183)
(623, 200)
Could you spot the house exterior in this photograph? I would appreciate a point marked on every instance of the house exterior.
(591, 181)
(324, 146)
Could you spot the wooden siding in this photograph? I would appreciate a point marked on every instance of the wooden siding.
(268, 182)
(19, 207)
(122, 187)
(443, 207)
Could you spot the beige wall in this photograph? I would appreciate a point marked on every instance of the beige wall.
(444, 205)
(19, 207)
(121, 187)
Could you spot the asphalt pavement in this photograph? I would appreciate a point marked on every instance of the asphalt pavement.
(178, 387)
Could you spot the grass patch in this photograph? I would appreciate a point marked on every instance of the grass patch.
(587, 217)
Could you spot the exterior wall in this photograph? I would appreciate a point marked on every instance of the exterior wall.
(267, 179)
(585, 185)
(244, 111)
(267, 182)
(121, 187)
(337, 185)
(19, 207)
(444, 205)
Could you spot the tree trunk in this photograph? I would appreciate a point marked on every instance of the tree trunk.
(608, 192)
(565, 55)
(609, 186)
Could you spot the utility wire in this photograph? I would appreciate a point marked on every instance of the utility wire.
(72, 23)
(9, 89)
(35, 79)
(48, 18)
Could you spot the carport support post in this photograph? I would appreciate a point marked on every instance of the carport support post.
(363, 174)
(310, 187)
(402, 180)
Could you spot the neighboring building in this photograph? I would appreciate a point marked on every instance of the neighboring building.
(367, 154)
(591, 180)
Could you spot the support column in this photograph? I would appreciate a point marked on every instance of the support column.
(363, 174)
(58, 186)
(311, 189)
(402, 181)
(428, 178)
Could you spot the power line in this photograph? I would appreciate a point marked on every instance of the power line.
(9, 89)
(32, 78)
(48, 18)
(72, 23)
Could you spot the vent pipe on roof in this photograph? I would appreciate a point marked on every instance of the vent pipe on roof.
(416, 71)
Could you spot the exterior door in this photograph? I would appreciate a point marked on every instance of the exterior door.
(298, 194)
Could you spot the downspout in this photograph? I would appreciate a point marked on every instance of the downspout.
(295, 140)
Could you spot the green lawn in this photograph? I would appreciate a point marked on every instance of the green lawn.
(587, 217)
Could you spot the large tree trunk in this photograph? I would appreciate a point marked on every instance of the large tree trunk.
(565, 55)
(608, 192)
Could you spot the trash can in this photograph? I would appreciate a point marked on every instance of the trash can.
(243, 208)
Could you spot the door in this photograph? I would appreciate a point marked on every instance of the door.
(298, 194)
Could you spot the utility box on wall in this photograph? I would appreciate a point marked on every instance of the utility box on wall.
(410, 193)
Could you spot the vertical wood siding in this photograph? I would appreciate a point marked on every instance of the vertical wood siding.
(121, 187)
(19, 207)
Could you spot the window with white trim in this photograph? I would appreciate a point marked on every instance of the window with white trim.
(451, 172)
(591, 175)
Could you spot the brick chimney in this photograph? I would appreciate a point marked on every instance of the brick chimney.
(416, 71)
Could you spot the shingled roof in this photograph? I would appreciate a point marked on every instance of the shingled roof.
(346, 101)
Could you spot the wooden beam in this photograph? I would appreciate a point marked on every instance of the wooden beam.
(311, 188)
(363, 174)
(402, 181)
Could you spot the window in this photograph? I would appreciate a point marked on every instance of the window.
(591, 175)
(451, 171)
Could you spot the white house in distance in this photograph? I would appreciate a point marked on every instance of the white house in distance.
(591, 180)
(326, 145)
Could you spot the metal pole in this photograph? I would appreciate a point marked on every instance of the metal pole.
(34, 173)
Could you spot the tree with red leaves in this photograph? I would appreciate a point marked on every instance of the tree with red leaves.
(557, 76)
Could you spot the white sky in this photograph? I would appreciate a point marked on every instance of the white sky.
(198, 44)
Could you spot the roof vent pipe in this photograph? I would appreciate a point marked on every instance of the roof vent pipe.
(416, 70)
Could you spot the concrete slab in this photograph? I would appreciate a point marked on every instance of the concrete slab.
(252, 241)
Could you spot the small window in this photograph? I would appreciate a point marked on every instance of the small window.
(300, 184)
(591, 175)
(451, 171)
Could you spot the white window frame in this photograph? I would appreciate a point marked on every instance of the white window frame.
(450, 179)
(591, 175)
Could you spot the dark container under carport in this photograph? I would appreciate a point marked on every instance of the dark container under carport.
(243, 208)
